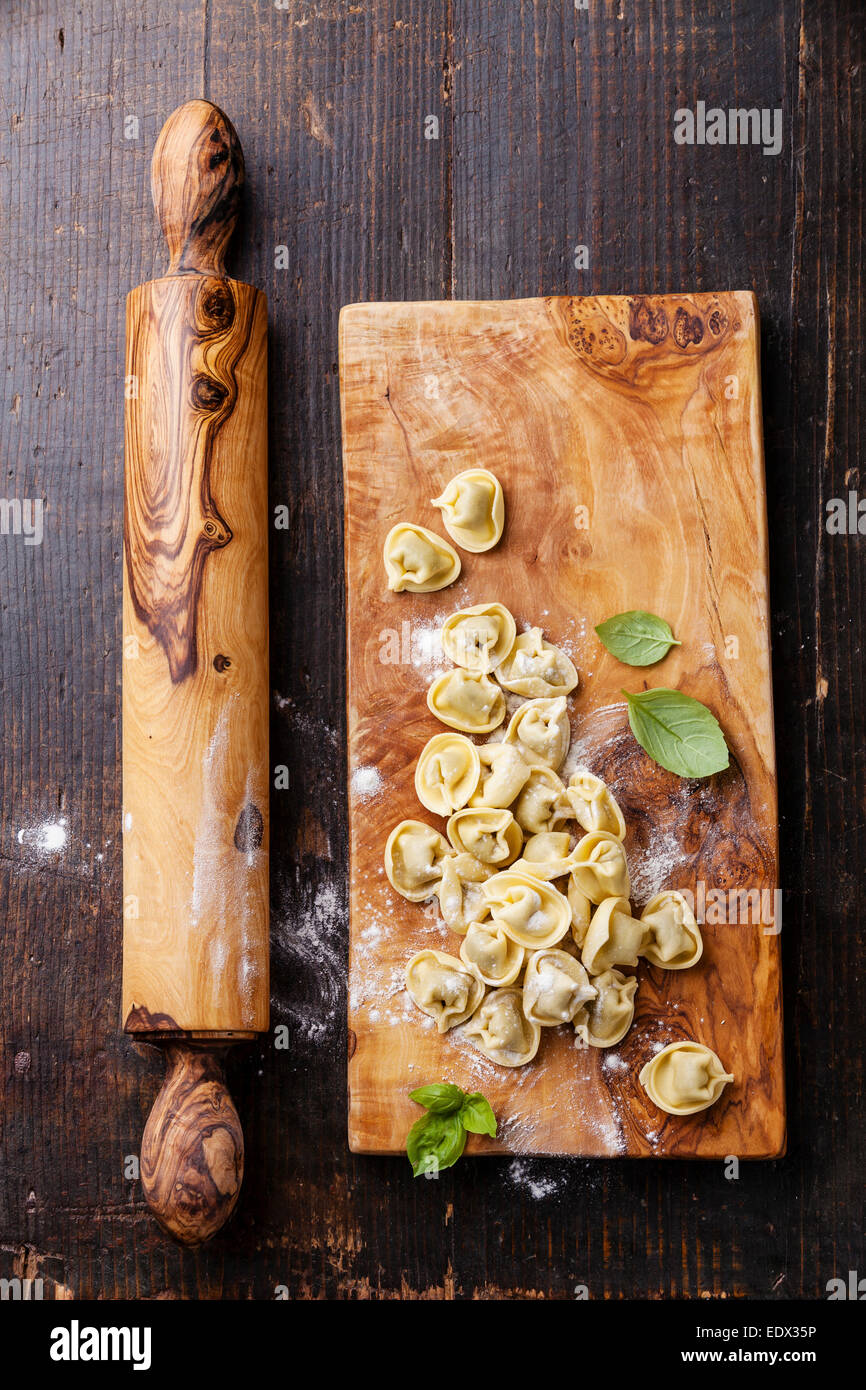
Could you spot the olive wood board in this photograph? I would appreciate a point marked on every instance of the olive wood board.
(626, 433)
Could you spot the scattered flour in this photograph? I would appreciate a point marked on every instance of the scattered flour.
(651, 871)
(308, 946)
(47, 838)
(524, 1174)
(366, 782)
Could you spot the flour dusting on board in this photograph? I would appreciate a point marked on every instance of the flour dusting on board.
(366, 783)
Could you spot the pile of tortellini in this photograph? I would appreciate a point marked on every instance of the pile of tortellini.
(531, 873)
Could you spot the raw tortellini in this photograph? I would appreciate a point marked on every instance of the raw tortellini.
(414, 855)
(593, 804)
(536, 668)
(461, 899)
(606, 1019)
(478, 638)
(684, 1077)
(541, 804)
(614, 937)
(467, 700)
(600, 869)
(541, 732)
(417, 560)
(531, 912)
(674, 938)
(555, 988)
(500, 1029)
(442, 986)
(581, 911)
(447, 773)
(547, 855)
(504, 774)
(491, 954)
(492, 836)
(473, 509)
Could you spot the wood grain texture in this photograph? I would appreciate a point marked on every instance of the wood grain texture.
(631, 481)
(197, 176)
(195, 676)
(556, 128)
(192, 1149)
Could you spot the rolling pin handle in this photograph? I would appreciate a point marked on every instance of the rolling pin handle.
(196, 178)
(192, 1149)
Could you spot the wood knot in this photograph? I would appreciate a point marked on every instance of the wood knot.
(688, 328)
(647, 322)
(216, 306)
(208, 394)
(221, 663)
(250, 829)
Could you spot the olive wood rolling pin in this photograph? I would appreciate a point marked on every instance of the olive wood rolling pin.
(195, 674)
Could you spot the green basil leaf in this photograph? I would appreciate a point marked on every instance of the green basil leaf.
(442, 1097)
(477, 1115)
(678, 732)
(637, 638)
(435, 1142)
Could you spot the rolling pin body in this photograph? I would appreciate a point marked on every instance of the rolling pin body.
(195, 673)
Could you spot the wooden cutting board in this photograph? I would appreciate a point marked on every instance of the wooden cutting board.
(626, 433)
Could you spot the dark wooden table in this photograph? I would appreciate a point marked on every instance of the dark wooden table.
(555, 129)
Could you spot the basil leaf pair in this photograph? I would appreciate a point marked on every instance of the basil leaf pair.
(437, 1140)
(678, 732)
(637, 638)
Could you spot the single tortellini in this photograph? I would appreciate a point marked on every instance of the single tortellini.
(600, 869)
(581, 911)
(542, 803)
(467, 700)
(536, 668)
(504, 774)
(595, 807)
(684, 1077)
(500, 1029)
(547, 855)
(473, 509)
(478, 638)
(418, 561)
(447, 773)
(614, 937)
(443, 987)
(492, 836)
(414, 855)
(607, 1018)
(674, 941)
(491, 954)
(461, 899)
(541, 732)
(555, 988)
(530, 911)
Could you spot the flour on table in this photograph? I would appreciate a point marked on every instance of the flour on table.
(524, 1174)
(308, 938)
(49, 837)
